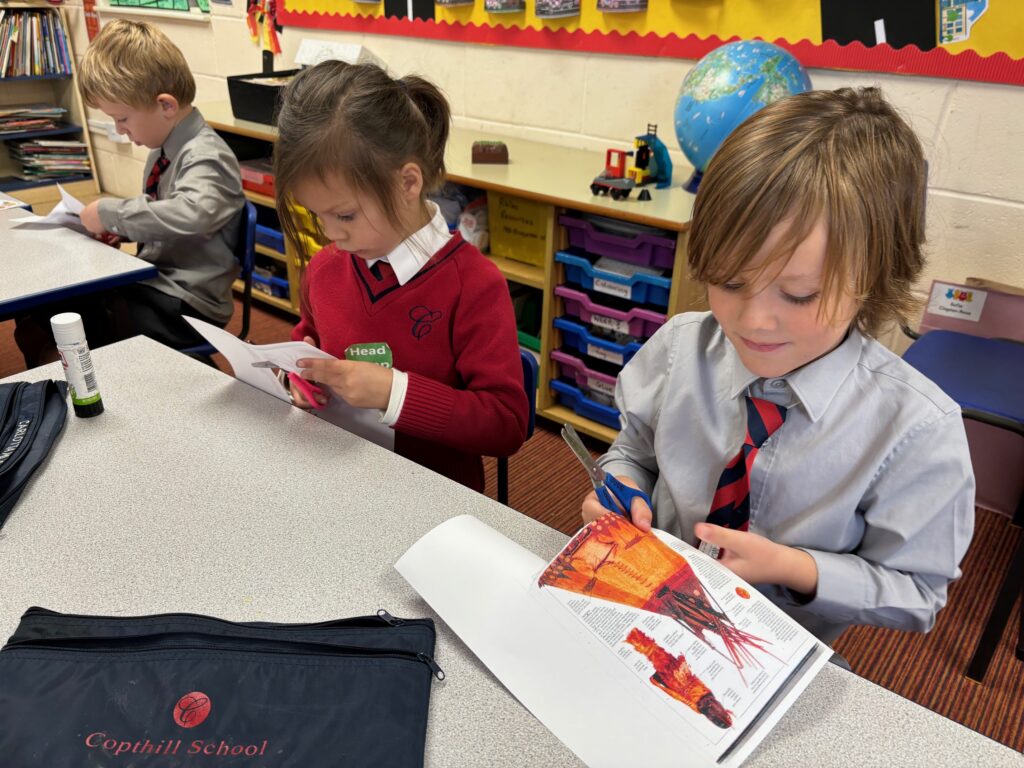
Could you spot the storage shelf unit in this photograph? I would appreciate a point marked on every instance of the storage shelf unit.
(552, 176)
(57, 88)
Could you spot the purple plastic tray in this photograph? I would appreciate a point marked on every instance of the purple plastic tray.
(586, 379)
(638, 322)
(643, 249)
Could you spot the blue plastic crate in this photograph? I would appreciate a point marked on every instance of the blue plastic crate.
(571, 397)
(580, 339)
(641, 288)
(270, 237)
(274, 286)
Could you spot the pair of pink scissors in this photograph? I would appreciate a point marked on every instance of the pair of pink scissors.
(308, 389)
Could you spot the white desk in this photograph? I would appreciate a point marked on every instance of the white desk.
(174, 500)
(44, 265)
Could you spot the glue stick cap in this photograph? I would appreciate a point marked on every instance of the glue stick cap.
(67, 328)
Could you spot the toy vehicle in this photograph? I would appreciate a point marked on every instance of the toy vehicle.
(612, 180)
(651, 163)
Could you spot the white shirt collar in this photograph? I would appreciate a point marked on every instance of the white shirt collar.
(416, 250)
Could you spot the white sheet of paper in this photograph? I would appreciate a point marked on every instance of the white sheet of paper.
(64, 214)
(563, 674)
(364, 422)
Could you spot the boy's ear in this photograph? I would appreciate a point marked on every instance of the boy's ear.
(168, 105)
(410, 178)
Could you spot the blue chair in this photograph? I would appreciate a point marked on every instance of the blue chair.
(530, 374)
(984, 377)
(245, 254)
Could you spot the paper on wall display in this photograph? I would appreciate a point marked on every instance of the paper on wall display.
(364, 422)
(64, 214)
(632, 648)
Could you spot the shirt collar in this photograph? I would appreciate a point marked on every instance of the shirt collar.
(183, 132)
(416, 250)
(816, 383)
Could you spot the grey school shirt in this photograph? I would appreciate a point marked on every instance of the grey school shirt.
(191, 228)
(870, 473)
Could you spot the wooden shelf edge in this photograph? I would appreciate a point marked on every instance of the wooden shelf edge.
(266, 298)
(259, 199)
(563, 415)
(519, 271)
(267, 251)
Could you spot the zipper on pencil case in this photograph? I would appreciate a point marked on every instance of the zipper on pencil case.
(382, 618)
(189, 641)
(18, 450)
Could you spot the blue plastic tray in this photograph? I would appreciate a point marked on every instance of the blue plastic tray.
(571, 397)
(580, 339)
(645, 289)
(275, 286)
(269, 237)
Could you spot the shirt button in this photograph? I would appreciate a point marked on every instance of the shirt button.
(777, 383)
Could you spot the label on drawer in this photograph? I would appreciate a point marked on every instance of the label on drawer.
(614, 289)
(598, 385)
(603, 354)
(619, 326)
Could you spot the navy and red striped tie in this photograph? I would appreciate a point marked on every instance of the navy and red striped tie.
(730, 507)
(153, 180)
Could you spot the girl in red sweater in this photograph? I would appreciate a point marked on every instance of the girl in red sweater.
(361, 151)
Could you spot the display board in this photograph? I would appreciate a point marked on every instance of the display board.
(963, 39)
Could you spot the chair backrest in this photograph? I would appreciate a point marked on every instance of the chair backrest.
(974, 310)
(245, 252)
(530, 375)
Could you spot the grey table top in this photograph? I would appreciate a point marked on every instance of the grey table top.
(41, 265)
(194, 492)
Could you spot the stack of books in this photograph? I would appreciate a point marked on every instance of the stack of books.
(32, 44)
(50, 159)
(20, 118)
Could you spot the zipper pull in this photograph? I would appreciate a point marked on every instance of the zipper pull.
(384, 615)
(434, 666)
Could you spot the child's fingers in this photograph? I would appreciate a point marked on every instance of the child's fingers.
(641, 514)
(591, 508)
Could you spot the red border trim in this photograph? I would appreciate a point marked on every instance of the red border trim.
(909, 60)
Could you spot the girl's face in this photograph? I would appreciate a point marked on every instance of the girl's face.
(355, 223)
(775, 323)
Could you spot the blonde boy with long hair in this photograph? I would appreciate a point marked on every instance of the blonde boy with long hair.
(774, 430)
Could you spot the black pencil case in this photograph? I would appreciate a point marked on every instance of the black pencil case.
(184, 689)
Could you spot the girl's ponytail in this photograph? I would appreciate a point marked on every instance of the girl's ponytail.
(437, 115)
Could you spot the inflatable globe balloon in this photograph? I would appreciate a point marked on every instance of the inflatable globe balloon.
(725, 88)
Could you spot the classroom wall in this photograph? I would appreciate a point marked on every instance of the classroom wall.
(972, 132)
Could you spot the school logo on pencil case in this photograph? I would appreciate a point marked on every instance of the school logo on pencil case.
(192, 709)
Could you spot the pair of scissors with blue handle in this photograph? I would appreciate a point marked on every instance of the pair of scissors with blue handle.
(614, 495)
(306, 387)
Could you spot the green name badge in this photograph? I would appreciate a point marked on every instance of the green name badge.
(378, 352)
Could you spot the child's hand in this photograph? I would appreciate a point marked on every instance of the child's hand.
(109, 238)
(90, 218)
(299, 399)
(757, 560)
(639, 512)
(363, 385)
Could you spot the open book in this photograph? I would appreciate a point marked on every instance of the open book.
(284, 355)
(632, 648)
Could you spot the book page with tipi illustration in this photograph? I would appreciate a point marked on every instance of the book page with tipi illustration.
(713, 650)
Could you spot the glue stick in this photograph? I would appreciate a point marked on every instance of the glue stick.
(69, 333)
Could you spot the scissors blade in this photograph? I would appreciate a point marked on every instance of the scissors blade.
(574, 442)
(264, 364)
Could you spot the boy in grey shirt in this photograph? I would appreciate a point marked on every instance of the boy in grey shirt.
(186, 222)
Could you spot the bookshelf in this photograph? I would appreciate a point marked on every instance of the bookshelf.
(43, 73)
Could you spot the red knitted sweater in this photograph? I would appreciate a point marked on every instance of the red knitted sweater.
(452, 329)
